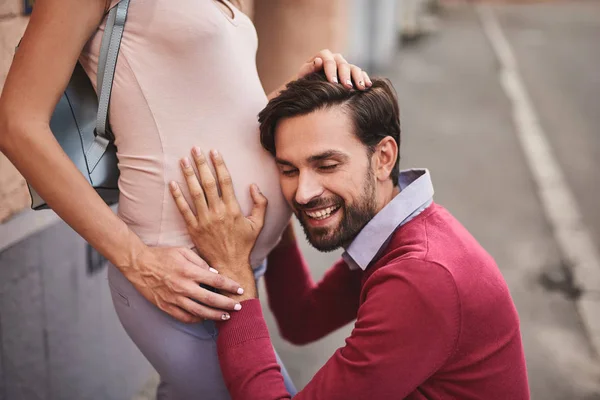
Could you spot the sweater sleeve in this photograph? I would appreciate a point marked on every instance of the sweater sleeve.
(306, 311)
(407, 327)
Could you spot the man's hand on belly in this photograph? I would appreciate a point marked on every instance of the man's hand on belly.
(222, 235)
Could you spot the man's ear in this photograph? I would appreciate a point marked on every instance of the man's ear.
(385, 155)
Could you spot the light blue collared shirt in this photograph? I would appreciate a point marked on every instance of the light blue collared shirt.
(416, 194)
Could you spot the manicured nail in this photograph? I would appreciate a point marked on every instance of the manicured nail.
(213, 270)
(225, 317)
(185, 162)
(173, 185)
(349, 82)
(214, 153)
(334, 79)
(197, 151)
(240, 291)
(237, 307)
(361, 83)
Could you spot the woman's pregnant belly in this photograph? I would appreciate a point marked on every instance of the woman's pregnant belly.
(149, 161)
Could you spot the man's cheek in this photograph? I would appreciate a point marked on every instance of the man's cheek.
(287, 189)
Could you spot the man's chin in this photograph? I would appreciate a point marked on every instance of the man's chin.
(319, 237)
(324, 246)
(322, 241)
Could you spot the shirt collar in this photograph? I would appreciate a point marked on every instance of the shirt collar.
(416, 194)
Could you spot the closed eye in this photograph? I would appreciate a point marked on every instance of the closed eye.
(289, 172)
(328, 167)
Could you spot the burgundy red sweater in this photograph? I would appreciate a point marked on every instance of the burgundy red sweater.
(434, 320)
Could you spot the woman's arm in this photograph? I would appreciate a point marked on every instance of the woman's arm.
(55, 36)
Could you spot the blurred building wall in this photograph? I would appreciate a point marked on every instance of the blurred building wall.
(292, 31)
(372, 34)
(13, 192)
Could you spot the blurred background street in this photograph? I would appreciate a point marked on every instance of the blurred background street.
(477, 82)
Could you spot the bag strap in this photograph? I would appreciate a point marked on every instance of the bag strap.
(107, 63)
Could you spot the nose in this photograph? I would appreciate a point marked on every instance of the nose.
(309, 188)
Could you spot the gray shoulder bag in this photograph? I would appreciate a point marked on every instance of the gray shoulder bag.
(80, 121)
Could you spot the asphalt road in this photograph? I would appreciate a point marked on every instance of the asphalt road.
(457, 122)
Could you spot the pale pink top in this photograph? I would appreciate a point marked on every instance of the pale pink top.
(186, 76)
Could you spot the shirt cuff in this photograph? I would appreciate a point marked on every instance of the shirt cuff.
(244, 325)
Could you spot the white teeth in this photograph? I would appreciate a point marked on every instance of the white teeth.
(321, 214)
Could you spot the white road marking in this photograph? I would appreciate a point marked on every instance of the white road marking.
(574, 241)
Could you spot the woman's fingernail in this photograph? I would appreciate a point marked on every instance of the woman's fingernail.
(197, 151)
(173, 185)
(214, 153)
(334, 79)
(213, 270)
(361, 83)
(237, 307)
(349, 82)
(185, 162)
(240, 291)
(225, 317)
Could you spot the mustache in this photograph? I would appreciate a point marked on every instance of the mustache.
(320, 202)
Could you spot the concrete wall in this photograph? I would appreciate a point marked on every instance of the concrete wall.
(59, 335)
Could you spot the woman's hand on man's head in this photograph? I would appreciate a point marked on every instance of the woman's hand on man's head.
(337, 69)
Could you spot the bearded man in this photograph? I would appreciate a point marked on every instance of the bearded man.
(434, 316)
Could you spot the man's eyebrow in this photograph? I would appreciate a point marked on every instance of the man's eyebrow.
(326, 155)
(283, 162)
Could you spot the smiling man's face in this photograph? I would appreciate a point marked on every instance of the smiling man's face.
(326, 176)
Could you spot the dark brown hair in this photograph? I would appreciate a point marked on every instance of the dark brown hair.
(374, 112)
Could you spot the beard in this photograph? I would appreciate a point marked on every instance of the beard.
(354, 218)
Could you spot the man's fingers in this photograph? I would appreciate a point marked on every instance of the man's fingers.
(182, 205)
(202, 311)
(194, 187)
(224, 179)
(260, 207)
(208, 182)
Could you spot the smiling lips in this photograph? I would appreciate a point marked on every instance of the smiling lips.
(323, 213)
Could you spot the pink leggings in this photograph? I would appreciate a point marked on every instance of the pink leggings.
(184, 355)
